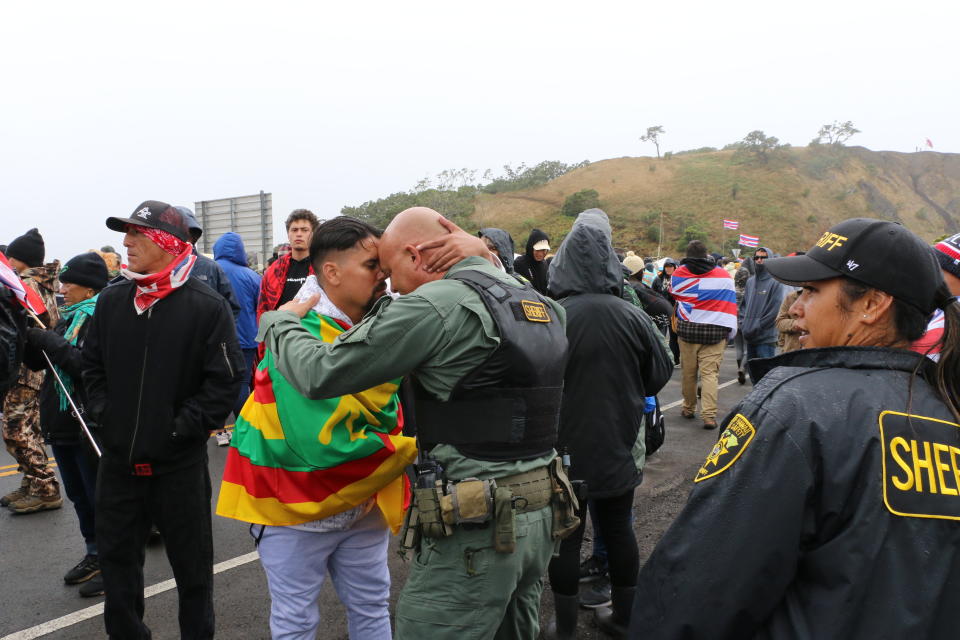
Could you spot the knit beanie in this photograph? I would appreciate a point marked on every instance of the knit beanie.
(28, 249)
(633, 262)
(948, 254)
(86, 270)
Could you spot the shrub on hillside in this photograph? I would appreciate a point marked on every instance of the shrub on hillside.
(524, 177)
(580, 201)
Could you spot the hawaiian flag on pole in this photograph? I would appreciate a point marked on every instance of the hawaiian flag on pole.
(930, 143)
(706, 298)
(749, 241)
(730, 224)
(29, 298)
(294, 460)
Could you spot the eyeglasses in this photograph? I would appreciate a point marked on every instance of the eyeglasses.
(759, 258)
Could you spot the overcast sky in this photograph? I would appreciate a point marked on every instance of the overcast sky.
(326, 104)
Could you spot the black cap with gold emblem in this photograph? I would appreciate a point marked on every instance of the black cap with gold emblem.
(881, 254)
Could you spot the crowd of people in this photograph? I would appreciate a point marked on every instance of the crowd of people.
(482, 405)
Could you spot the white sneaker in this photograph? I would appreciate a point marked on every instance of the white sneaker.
(223, 438)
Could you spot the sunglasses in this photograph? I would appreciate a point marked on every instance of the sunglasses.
(759, 258)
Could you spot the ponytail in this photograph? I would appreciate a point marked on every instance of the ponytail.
(947, 376)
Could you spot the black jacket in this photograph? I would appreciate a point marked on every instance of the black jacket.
(160, 381)
(58, 426)
(212, 274)
(615, 360)
(809, 522)
(528, 267)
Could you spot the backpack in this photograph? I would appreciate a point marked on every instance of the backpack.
(655, 429)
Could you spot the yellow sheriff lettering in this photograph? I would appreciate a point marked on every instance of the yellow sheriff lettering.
(535, 311)
(918, 459)
(831, 239)
(728, 449)
(921, 470)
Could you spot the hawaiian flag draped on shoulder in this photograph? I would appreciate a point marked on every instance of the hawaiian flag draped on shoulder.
(294, 460)
(29, 298)
(730, 224)
(708, 298)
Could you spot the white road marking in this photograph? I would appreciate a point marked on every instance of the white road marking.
(97, 609)
(664, 408)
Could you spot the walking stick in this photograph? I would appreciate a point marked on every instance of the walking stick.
(63, 387)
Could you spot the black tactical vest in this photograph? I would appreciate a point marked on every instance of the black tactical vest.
(508, 408)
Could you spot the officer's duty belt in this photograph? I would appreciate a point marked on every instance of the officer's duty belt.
(531, 490)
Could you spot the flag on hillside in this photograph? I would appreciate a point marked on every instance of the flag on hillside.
(294, 460)
(29, 298)
(929, 143)
(707, 298)
(730, 224)
(749, 241)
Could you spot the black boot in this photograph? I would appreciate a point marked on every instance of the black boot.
(564, 624)
(614, 620)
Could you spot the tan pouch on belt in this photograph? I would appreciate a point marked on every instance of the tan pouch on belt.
(565, 505)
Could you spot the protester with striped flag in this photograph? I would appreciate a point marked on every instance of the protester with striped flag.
(321, 480)
(706, 317)
(35, 284)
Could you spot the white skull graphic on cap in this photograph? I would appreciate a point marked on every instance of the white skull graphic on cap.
(144, 213)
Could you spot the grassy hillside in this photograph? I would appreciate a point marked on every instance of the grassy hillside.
(788, 201)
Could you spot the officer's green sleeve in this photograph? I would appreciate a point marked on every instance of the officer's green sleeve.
(390, 342)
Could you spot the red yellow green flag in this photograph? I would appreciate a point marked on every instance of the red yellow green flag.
(294, 460)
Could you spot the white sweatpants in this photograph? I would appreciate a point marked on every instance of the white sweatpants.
(297, 561)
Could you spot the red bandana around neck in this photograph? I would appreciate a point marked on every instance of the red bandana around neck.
(153, 287)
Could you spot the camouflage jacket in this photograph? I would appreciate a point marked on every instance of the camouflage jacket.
(43, 280)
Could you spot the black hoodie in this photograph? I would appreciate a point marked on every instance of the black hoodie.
(531, 269)
(616, 359)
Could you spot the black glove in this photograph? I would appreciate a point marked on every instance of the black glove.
(44, 339)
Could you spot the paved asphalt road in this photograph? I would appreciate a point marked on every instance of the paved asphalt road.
(36, 550)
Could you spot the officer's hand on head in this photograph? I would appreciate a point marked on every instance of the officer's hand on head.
(444, 252)
(300, 308)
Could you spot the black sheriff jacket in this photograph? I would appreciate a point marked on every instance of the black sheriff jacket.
(829, 508)
(158, 382)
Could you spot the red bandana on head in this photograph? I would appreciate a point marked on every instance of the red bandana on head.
(153, 287)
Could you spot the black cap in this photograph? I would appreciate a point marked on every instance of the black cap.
(86, 270)
(864, 249)
(28, 249)
(156, 215)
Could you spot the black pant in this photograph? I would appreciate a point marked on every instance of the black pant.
(179, 504)
(77, 464)
(613, 517)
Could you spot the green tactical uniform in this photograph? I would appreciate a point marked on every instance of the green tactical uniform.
(459, 586)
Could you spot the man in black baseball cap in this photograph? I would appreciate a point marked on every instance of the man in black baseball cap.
(860, 248)
(155, 215)
(161, 354)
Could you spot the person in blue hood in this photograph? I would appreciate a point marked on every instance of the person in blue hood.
(228, 252)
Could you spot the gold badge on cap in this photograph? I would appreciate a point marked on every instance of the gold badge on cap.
(535, 311)
(734, 439)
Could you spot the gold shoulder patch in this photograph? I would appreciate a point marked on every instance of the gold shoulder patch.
(535, 311)
(921, 466)
(734, 439)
